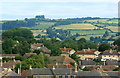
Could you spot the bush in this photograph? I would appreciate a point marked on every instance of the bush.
(116, 69)
(87, 69)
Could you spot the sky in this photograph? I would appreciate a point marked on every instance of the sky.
(57, 9)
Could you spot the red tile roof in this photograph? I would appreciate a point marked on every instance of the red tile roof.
(24, 73)
(67, 59)
(9, 55)
(29, 54)
(70, 66)
(10, 64)
(37, 44)
(64, 50)
(86, 51)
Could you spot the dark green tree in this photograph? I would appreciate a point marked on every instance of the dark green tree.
(104, 47)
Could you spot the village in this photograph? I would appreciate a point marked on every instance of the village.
(64, 66)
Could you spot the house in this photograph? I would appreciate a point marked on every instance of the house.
(9, 64)
(67, 51)
(87, 54)
(61, 59)
(45, 50)
(41, 47)
(36, 46)
(8, 73)
(60, 65)
(110, 55)
(8, 55)
(29, 54)
(61, 73)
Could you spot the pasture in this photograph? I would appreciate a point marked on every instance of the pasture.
(113, 28)
(42, 25)
(82, 32)
(95, 20)
(76, 26)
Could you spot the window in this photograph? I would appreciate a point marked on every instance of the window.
(66, 76)
(72, 77)
(49, 76)
(37, 76)
(60, 76)
(43, 76)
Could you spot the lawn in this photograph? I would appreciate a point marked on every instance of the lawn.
(76, 26)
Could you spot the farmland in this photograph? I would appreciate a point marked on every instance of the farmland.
(95, 20)
(76, 26)
(113, 28)
(98, 32)
(42, 25)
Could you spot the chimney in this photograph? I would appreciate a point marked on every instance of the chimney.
(76, 70)
(1, 63)
(30, 67)
(88, 49)
(14, 60)
(104, 62)
(18, 70)
(53, 67)
(84, 50)
(9, 70)
(57, 64)
(111, 51)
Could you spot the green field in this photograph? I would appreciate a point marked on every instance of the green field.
(87, 37)
(113, 28)
(76, 26)
(97, 32)
(42, 25)
(95, 20)
(111, 21)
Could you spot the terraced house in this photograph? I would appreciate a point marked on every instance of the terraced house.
(87, 54)
(61, 73)
(110, 55)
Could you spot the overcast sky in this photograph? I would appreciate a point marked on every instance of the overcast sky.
(13, 9)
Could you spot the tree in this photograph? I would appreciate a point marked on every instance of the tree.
(55, 51)
(106, 34)
(104, 47)
(17, 40)
(82, 40)
(37, 51)
(75, 57)
(36, 61)
(117, 42)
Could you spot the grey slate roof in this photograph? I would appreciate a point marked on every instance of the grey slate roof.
(113, 74)
(112, 62)
(41, 71)
(12, 75)
(88, 73)
(88, 62)
(62, 71)
(110, 53)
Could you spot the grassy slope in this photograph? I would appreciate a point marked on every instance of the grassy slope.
(113, 28)
(42, 25)
(76, 26)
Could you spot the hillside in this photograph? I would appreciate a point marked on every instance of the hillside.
(67, 28)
